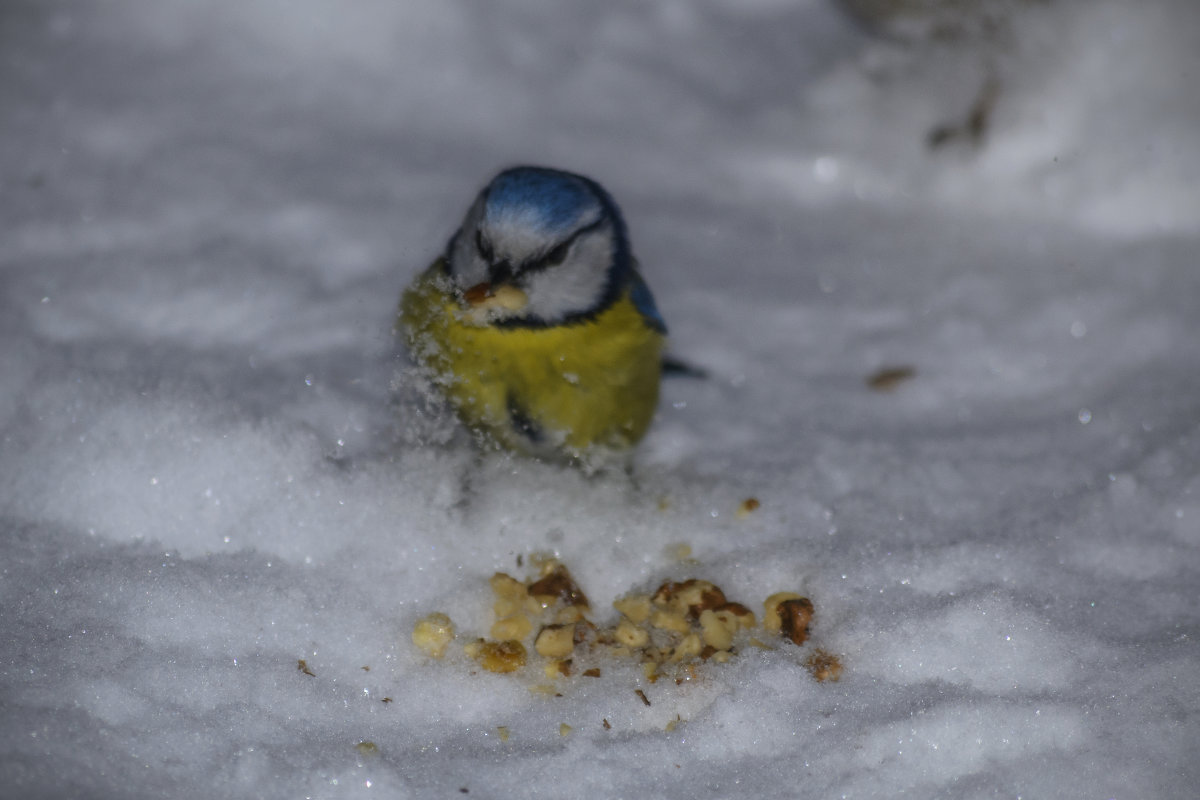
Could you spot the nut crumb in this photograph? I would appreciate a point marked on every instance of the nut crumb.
(635, 607)
(558, 585)
(886, 379)
(673, 632)
(824, 666)
(517, 626)
(433, 634)
(555, 641)
(506, 656)
(747, 507)
(679, 551)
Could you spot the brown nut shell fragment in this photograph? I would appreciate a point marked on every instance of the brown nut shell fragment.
(507, 656)
(558, 669)
(558, 585)
(771, 620)
(794, 616)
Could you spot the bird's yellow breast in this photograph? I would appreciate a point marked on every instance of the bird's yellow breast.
(570, 388)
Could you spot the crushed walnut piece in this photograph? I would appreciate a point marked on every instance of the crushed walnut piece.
(671, 631)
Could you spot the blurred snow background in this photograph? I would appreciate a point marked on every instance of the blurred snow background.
(210, 209)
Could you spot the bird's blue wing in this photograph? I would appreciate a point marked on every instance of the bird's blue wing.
(643, 301)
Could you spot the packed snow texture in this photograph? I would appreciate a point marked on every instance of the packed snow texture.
(215, 463)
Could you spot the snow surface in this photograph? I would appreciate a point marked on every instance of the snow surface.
(213, 463)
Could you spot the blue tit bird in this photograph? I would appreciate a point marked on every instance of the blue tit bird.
(536, 325)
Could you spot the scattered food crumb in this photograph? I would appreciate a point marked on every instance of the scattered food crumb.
(975, 127)
(506, 656)
(888, 378)
(679, 551)
(302, 665)
(433, 634)
(674, 630)
(824, 666)
(747, 507)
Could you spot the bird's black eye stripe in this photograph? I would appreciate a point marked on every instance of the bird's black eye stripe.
(483, 246)
(558, 254)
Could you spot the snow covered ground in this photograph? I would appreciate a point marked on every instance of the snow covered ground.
(212, 466)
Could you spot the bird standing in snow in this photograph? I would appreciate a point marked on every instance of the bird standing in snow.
(535, 323)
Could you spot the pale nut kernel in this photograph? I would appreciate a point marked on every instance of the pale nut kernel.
(517, 626)
(506, 607)
(569, 614)
(555, 641)
(689, 647)
(510, 595)
(630, 635)
(771, 619)
(635, 607)
(433, 634)
(670, 621)
(717, 628)
(505, 585)
(693, 596)
(744, 616)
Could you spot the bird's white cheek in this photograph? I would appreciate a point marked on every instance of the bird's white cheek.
(576, 286)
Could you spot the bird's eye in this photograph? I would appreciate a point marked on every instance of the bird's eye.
(483, 246)
(558, 255)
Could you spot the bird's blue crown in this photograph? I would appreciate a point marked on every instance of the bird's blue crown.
(544, 200)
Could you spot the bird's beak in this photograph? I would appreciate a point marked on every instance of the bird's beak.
(478, 293)
(486, 296)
